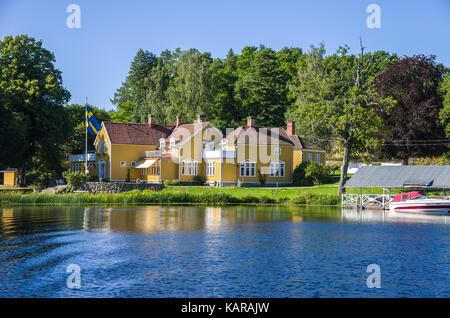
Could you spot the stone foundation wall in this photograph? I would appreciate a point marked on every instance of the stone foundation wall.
(117, 187)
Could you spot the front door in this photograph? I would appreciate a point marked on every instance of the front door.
(101, 169)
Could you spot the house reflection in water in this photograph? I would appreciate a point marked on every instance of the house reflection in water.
(156, 218)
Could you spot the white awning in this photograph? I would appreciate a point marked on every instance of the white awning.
(142, 164)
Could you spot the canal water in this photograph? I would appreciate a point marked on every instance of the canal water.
(221, 252)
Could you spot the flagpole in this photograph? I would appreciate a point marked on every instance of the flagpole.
(86, 138)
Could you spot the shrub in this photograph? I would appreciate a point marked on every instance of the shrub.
(40, 178)
(317, 173)
(299, 175)
(74, 179)
(199, 180)
(261, 178)
(171, 182)
(334, 168)
(92, 178)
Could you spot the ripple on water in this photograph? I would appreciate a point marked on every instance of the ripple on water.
(219, 252)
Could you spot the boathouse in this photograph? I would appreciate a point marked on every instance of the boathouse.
(387, 178)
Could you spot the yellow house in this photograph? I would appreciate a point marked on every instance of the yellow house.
(152, 152)
(10, 176)
(255, 155)
(248, 155)
(78, 163)
(304, 150)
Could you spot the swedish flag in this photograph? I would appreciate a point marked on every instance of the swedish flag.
(92, 124)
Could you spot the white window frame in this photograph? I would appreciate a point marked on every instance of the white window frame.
(172, 144)
(123, 164)
(247, 168)
(277, 169)
(317, 158)
(76, 167)
(277, 151)
(99, 146)
(308, 157)
(162, 144)
(105, 146)
(133, 164)
(210, 168)
(155, 170)
(189, 167)
(208, 131)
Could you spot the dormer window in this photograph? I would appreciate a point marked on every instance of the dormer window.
(172, 143)
(209, 146)
(224, 143)
(162, 144)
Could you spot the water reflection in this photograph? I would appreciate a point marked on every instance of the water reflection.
(353, 215)
(181, 218)
(245, 251)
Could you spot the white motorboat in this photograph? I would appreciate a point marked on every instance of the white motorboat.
(416, 202)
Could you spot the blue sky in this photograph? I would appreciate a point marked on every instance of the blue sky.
(95, 58)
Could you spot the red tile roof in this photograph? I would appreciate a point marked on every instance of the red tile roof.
(137, 134)
(303, 144)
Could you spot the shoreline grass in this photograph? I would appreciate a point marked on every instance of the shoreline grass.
(181, 195)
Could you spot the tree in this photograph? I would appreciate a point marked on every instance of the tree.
(261, 89)
(412, 128)
(190, 91)
(334, 99)
(444, 115)
(157, 101)
(33, 94)
(140, 68)
(225, 109)
(122, 101)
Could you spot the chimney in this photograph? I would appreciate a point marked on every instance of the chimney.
(201, 118)
(251, 121)
(178, 121)
(291, 128)
(151, 119)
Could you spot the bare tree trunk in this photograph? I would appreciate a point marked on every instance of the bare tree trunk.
(21, 175)
(344, 168)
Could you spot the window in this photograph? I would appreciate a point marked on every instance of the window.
(277, 151)
(144, 171)
(133, 164)
(224, 143)
(277, 169)
(189, 167)
(308, 157)
(91, 164)
(155, 170)
(248, 169)
(318, 158)
(123, 164)
(162, 144)
(105, 146)
(99, 146)
(209, 145)
(172, 143)
(76, 167)
(210, 168)
(208, 131)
